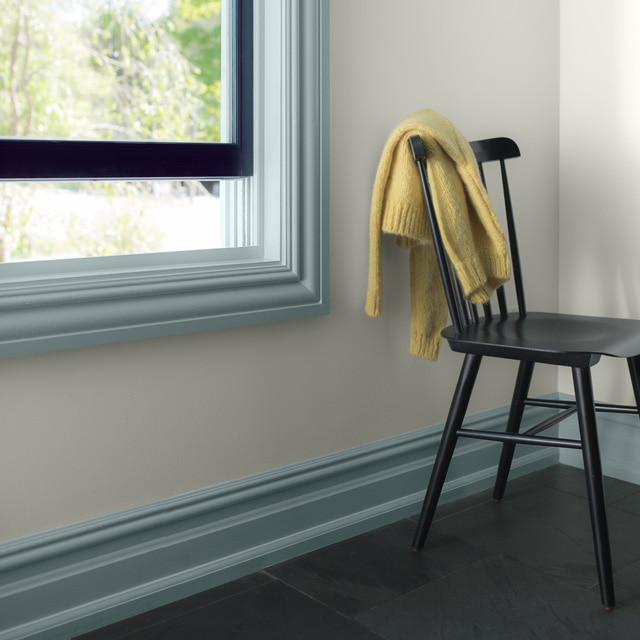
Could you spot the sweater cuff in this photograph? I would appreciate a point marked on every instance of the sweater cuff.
(480, 278)
(373, 304)
(423, 346)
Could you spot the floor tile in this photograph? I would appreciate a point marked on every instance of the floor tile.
(503, 530)
(271, 612)
(572, 480)
(356, 574)
(630, 503)
(627, 583)
(569, 515)
(500, 599)
(179, 608)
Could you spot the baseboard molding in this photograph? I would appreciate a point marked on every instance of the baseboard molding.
(619, 438)
(68, 581)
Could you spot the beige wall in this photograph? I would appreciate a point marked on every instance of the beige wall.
(93, 431)
(600, 171)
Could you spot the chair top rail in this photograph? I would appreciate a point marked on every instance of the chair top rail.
(493, 149)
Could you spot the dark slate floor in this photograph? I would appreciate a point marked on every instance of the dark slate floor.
(521, 569)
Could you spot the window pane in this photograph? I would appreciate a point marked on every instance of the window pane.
(145, 70)
(44, 221)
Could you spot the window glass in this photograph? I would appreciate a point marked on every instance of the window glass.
(57, 220)
(112, 70)
(116, 70)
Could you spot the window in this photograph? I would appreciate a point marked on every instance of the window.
(47, 305)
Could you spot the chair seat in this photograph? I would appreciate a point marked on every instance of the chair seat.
(553, 338)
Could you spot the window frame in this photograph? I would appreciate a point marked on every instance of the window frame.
(105, 300)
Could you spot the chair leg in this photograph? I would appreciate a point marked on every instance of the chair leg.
(523, 382)
(457, 411)
(634, 371)
(595, 490)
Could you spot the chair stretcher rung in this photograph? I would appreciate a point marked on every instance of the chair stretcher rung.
(603, 407)
(550, 422)
(615, 408)
(550, 404)
(519, 438)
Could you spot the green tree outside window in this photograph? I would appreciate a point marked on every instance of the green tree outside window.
(103, 70)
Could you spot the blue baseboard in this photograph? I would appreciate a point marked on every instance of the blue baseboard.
(619, 437)
(64, 582)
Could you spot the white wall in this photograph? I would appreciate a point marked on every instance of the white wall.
(600, 171)
(92, 431)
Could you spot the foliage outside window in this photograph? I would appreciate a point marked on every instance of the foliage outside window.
(277, 266)
(111, 69)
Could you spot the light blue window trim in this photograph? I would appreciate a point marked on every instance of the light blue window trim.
(52, 305)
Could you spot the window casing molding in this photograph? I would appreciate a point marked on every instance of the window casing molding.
(51, 305)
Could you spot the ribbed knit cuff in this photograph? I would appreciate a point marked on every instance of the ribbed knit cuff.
(480, 277)
(424, 346)
(406, 220)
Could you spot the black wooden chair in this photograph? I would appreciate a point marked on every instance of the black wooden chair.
(528, 337)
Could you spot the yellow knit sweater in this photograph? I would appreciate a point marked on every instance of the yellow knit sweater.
(471, 232)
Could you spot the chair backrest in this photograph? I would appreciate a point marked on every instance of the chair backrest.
(463, 313)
